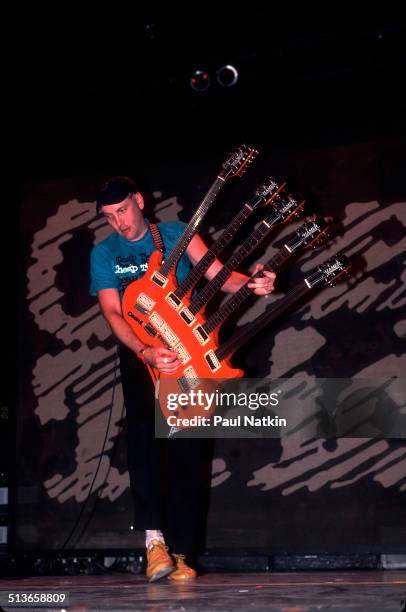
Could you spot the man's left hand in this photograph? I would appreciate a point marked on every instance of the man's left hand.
(262, 285)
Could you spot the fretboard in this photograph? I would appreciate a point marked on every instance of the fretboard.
(231, 305)
(192, 227)
(246, 249)
(248, 331)
(200, 268)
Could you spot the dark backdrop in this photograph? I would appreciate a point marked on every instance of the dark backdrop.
(324, 106)
(265, 494)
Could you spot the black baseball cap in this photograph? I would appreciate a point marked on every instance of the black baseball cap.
(115, 190)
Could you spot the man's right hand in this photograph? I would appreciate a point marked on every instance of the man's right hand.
(162, 359)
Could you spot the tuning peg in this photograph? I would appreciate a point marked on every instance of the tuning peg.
(320, 239)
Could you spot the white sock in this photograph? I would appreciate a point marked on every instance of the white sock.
(153, 534)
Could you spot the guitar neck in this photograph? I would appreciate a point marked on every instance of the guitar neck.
(192, 227)
(246, 249)
(198, 271)
(248, 331)
(231, 305)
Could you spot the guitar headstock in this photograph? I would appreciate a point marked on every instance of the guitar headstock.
(329, 272)
(266, 192)
(287, 207)
(310, 234)
(238, 162)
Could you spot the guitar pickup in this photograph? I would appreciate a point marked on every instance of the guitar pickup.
(144, 303)
(191, 377)
(159, 279)
(169, 335)
(187, 316)
(173, 300)
(212, 361)
(156, 320)
(183, 353)
(201, 335)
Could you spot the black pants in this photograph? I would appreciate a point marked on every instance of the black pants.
(168, 477)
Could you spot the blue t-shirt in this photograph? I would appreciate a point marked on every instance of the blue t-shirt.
(115, 262)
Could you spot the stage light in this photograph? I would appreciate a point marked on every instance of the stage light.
(200, 80)
(151, 31)
(227, 76)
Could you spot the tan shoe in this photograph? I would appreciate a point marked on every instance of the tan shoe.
(182, 572)
(159, 562)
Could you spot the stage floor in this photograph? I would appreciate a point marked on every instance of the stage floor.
(274, 592)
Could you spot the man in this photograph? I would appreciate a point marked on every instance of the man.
(118, 260)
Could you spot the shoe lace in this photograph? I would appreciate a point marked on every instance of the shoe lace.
(180, 559)
(157, 547)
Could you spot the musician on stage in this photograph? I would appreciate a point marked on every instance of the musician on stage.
(153, 463)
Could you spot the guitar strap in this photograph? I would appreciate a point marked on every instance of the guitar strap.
(160, 245)
(157, 238)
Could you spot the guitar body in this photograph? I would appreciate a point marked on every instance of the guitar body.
(150, 311)
(143, 297)
(152, 314)
(200, 371)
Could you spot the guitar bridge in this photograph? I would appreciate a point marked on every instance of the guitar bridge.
(141, 309)
(191, 377)
(189, 380)
(150, 330)
(183, 384)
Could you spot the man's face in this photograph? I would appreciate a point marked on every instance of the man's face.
(126, 217)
